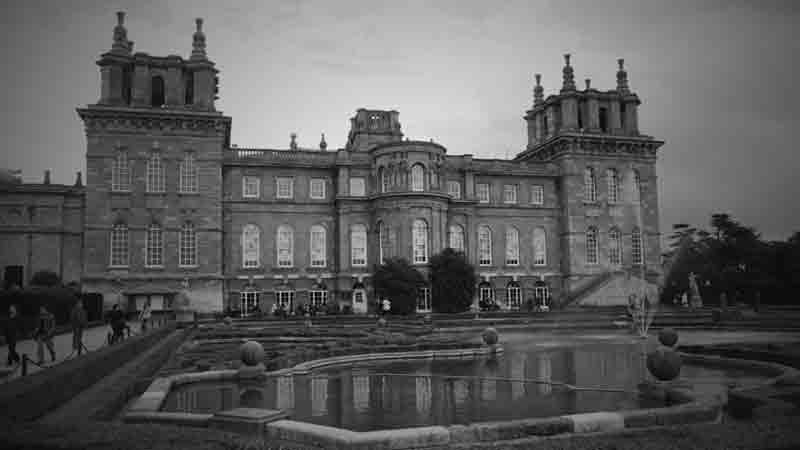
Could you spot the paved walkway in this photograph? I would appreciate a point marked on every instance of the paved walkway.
(93, 338)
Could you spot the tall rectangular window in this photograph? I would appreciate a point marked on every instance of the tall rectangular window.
(318, 246)
(424, 299)
(612, 185)
(319, 298)
(589, 186)
(636, 247)
(188, 174)
(454, 189)
(537, 194)
(188, 246)
(120, 173)
(591, 246)
(251, 246)
(358, 246)
(317, 188)
(285, 244)
(357, 187)
(482, 191)
(510, 193)
(285, 187)
(119, 246)
(154, 247)
(250, 187)
(484, 246)
(155, 173)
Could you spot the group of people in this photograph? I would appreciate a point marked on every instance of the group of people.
(45, 330)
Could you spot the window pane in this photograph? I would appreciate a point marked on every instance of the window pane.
(155, 175)
(285, 246)
(188, 246)
(250, 246)
(154, 246)
(318, 189)
(417, 178)
(510, 193)
(251, 186)
(636, 246)
(120, 172)
(119, 245)
(358, 245)
(591, 246)
(613, 185)
(539, 247)
(537, 194)
(589, 185)
(456, 238)
(483, 192)
(454, 189)
(318, 246)
(188, 174)
(357, 187)
(512, 246)
(285, 187)
(420, 237)
(484, 246)
(614, 248)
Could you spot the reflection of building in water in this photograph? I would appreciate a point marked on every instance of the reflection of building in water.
(319, 395)
(360, 392)
(284, 387)
(488, 389)
(544, 372)
(423, 395)
(517, 370)
(460, 392)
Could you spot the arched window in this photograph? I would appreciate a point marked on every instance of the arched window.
(384, 177)
(419, 232)
(155, 173)
(456, 237)
(636, 246)
(485, 295)
(612, 182)
(385, 240)
(188, 246)
(614, 247)
(512, 246)
(417, 178)
(484, 246)
(513, 295)
(541, 294)
(358, 245)
(591, 246)
(119, 245)
(636, 186)
(120, 172)
(539, 247)
(188, 174)
(154, 247)
(589, 185)
(285, 241)
(251, 246)
(157, 91)
(318, 246)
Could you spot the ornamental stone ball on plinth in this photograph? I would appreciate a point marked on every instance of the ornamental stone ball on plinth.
(252, 355)
(664, 363)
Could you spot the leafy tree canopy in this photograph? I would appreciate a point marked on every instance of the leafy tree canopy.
(397, 280)
(453, 281)
(45, 278)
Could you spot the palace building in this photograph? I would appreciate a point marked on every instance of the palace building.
(171, 206)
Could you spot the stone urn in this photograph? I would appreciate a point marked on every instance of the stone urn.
(251, 354)
(668, 337)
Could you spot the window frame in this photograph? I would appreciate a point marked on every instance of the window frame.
(289, 185)
(512, 237)
(424, 299)
(514, 288)
(358, 230)
(456, 230)
(614, 247)
(487, 191)
(612, 185)
(537, 194)
(589, 185)
(320, 182)
(363, 184)
(121, 172)
(418, 177)
(318, 298)
(256, 184)
(119, 240)
(420, 248)
(154, 247)
(284, 258)
(454, 193)
(187, 246)
(512, 189)
(256, 262)
(187, 174)
(592, 249)
(637, 247)
(321, 254)
(154, 173)
(540, 262)
(482, 261)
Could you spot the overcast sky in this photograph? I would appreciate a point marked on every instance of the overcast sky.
(715, 78)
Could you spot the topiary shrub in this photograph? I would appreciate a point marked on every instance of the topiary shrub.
(490, 336)
(664, 363)
(668, 337)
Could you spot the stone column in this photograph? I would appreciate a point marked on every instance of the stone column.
(173, 87)
(614, 122)
(593, 113)
(140, 89)
(105, 85)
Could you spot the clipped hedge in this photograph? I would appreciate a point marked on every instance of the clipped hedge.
(30, 397)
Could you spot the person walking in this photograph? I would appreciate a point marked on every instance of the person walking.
(117, 319)
(145, 315)
(44, 335)
(78, 321)
(12, 330)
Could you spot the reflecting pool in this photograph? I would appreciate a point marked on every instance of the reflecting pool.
(401, 394)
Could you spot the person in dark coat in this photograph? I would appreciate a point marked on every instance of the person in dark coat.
(118, 325)
(44, 335)
(78, 321)
(12, 331)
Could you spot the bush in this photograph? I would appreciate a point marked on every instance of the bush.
(453, 280)
(45, 278)
(58, 300)
(397, 280)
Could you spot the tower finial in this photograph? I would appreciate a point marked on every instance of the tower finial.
(293, 143)
(322, 144)
(538, 91)
(588, 83)
(198, 41)
(121, 43)
(569, 75)
(622, 77)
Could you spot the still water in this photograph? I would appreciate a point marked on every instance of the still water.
(402, 394)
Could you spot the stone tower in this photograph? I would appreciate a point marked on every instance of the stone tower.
(154, 177)
(607, 186)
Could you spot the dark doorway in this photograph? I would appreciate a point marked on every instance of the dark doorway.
(13, 276)
(157, 91)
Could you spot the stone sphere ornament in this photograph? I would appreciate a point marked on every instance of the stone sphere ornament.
(668, 337)
(251, 353)
(664, 363)
(490, 336)
(381, 323)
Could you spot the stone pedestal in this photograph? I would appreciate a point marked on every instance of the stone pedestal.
(245, 420)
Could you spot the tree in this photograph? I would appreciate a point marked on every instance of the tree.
(453, 280)
(399, 282)
(45, 278)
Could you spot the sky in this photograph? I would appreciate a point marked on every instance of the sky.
(716, 80)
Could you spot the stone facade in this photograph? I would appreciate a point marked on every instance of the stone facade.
(41, 228)
(273, 225)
